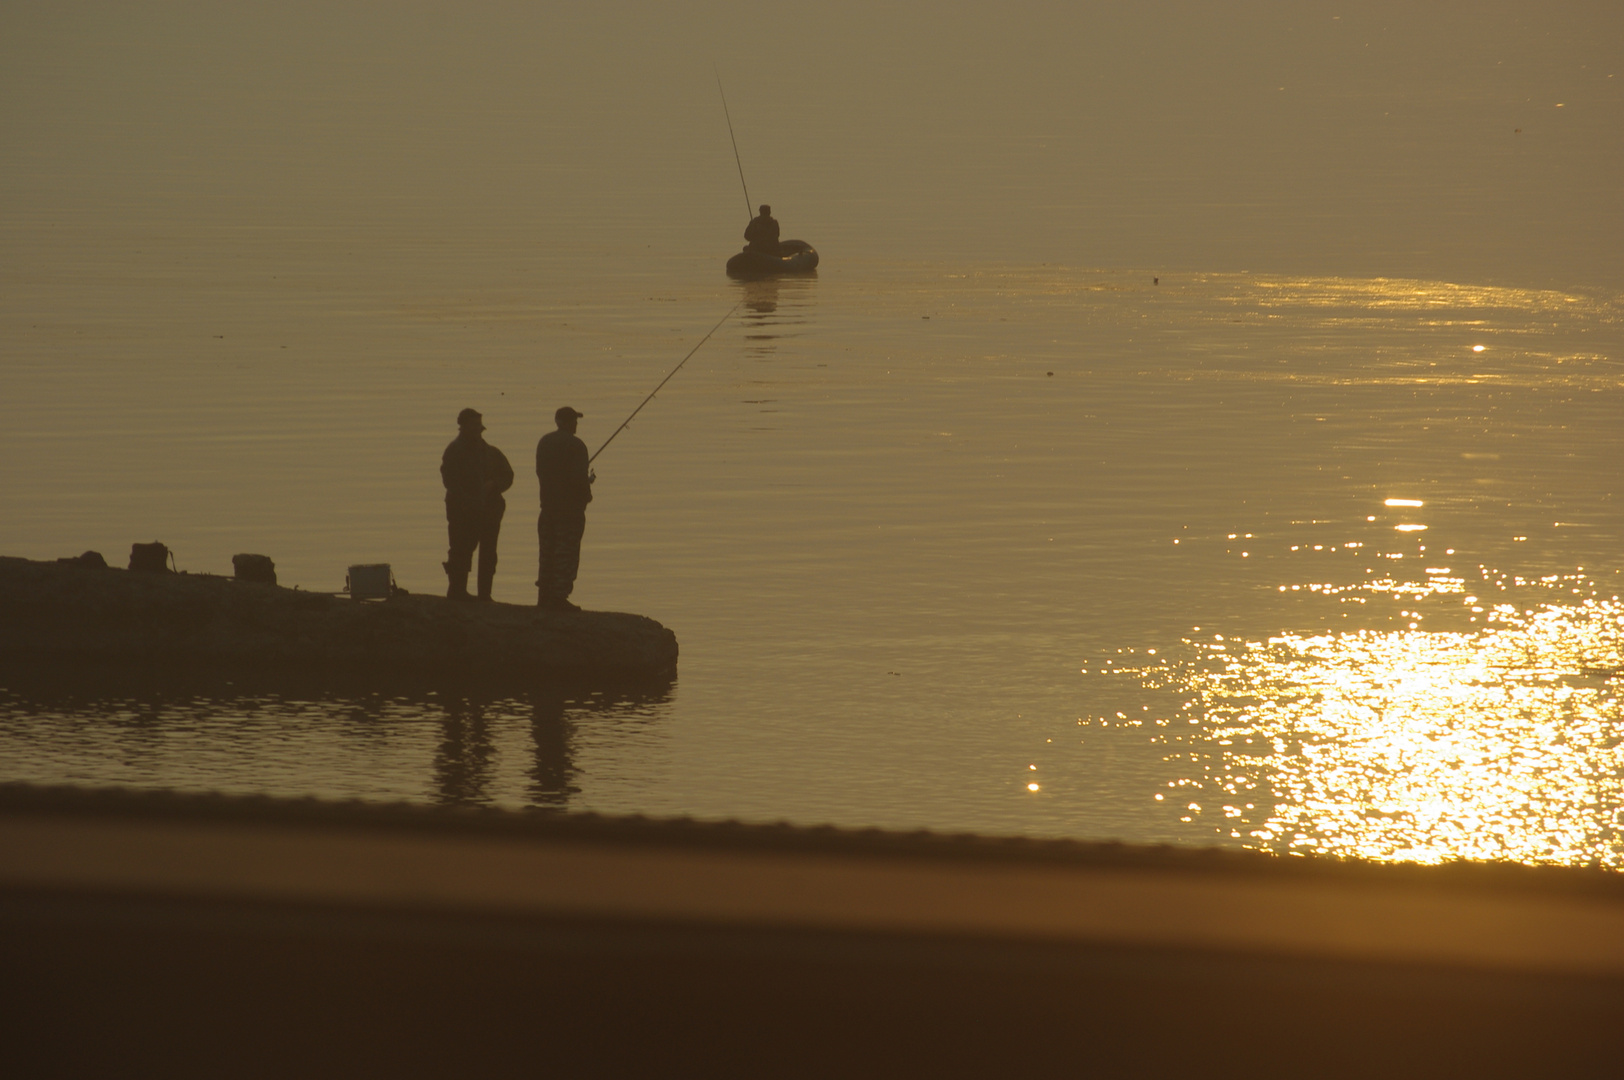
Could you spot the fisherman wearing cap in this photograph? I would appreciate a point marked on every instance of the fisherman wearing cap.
(761, 235)
(566, 488)
(475, 474)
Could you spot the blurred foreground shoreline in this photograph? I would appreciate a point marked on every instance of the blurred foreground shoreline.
(200, 935)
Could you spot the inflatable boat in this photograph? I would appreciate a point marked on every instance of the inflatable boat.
(794, 257)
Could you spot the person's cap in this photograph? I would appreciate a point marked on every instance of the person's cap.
(765, 209)
(564, 411)
(471, 418)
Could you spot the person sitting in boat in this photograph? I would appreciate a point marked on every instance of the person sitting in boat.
(761, 235)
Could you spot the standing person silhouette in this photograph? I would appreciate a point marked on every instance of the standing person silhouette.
(475, 474)
(566, 488)
(761, 235)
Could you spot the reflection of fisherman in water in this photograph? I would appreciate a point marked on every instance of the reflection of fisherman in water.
(462, 762)
(761, 298)
(475, 474)
(760, 317)
(566, 488)
(553, 778)
(761, 235)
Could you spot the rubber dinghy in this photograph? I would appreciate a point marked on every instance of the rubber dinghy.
(794, 257)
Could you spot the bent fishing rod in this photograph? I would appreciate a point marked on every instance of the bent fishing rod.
(749, 207)
(663, 381)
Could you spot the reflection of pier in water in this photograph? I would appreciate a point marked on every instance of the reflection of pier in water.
(774, 308)
(459, 747)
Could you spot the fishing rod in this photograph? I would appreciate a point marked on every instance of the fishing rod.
(663, 381)
(749, 207)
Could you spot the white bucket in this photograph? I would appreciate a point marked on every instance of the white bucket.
(374, 581)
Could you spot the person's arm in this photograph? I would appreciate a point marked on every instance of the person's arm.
(583, 480)
(500, 474)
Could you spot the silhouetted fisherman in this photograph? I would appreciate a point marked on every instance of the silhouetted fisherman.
(761, 235)
(475, 474)
(566, 488)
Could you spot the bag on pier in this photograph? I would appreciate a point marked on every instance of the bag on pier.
(258, 568)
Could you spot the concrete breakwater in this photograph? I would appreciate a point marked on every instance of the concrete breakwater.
(69, 613)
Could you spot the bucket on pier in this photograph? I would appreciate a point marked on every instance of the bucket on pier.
(373, 581)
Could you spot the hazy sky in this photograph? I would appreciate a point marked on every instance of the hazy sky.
(1468, 141)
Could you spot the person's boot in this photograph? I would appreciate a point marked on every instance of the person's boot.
(553, 602)
(458, 589)
(486, 577)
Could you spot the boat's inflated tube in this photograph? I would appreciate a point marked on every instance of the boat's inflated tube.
(794, 257)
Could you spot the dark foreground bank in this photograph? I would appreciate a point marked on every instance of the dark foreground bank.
(67, 614)
(153, 934)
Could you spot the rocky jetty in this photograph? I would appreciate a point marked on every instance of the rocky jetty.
(75, 612)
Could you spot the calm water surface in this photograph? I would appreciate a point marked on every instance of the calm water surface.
(968, 536)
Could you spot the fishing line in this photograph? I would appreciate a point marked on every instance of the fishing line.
(663, 381)
(749, 207)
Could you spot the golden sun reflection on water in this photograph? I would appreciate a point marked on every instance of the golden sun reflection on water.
(1500, 743)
